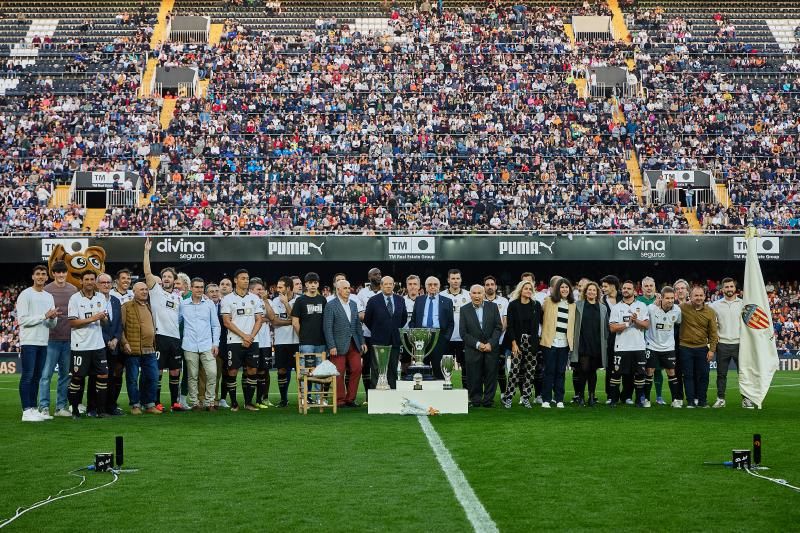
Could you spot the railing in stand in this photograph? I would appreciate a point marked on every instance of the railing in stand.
(118, 198)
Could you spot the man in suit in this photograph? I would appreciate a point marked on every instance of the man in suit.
(384, 316)
(434, 311)
(112, 333)
(481, 328)
(345, 341)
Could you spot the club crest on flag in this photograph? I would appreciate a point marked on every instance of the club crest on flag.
(754, 317)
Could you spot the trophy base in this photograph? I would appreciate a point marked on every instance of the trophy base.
(426, 371)
(447, 386)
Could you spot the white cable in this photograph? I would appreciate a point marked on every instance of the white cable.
(51, 499)
(782, 482)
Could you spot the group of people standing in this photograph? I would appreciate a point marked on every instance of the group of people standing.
(202, 334)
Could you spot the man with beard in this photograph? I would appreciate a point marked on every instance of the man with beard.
(628, 320)
(729, 318)
(286, 340)
(490, 290)
(460, 298)
(664, 320)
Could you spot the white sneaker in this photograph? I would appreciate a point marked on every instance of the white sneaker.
(719, 403)
(677, 404)
(45, 414)
(538, 400)
(560, 405)
(646, 403)
(747, 403)
(629, 401)
(223, 405)
(608, 401)
(63, 413)
(31, 415)
(81, 409)
(690, 405)
(545, 405)
(660, 401)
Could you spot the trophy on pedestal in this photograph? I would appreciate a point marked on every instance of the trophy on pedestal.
(448, 364)
(382, 356)
(419, 342)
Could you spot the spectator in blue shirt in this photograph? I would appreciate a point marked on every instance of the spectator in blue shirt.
(201, 329)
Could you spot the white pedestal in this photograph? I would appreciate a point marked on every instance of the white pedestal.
(445, 401)
(426, 385)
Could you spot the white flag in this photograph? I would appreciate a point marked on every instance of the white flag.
(758, 355)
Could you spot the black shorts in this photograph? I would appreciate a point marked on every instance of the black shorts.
(665, 359)
(85, 362)
(628, 363)
(284, 355)
(169, 353)
(265, 358)
(239, 356)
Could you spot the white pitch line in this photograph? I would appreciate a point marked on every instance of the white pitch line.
(476, 512)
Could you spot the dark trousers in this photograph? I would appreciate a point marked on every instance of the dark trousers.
(695, 374)
(116, 363)
(435, 360)
(481, 376)
(391, 372)
(725, 353)
(457, 349)
(366, 366)
(555, 367)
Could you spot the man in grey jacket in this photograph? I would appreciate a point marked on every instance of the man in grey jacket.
(345, 342)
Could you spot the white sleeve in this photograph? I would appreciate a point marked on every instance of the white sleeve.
(24, 316)
(73, 311)
(260, 307)
(615, 317)
(225, 306)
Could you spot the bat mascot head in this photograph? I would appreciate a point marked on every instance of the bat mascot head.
(92, 259)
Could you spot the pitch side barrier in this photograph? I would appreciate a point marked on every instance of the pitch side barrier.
(448, 248)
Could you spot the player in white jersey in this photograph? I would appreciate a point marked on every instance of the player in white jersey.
(87, 313)
(628, 320)
(490, 289)
(166, 308)
(413, 286)
(374, 276)
(243, 314)
(122, 287)
(286, 339)
(264, 339)
(460, 298)
(660, 338)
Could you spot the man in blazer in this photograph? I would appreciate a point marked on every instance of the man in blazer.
(434, 311)
(480, 327)
(345, 342)
(384, 316)
(112, 333)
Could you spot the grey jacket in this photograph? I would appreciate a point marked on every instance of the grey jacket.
(573, 356)
(338, 332)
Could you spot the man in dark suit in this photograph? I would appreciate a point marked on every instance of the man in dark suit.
(480, 327)
(434, 311)
(384, 316)
(345, 342)
(112, 333)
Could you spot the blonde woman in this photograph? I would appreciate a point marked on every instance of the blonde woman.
(558, 332)
(523, 320)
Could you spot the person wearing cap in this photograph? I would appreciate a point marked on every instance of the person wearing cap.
(58, 350)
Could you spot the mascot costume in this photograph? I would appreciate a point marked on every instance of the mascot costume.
(91, 259)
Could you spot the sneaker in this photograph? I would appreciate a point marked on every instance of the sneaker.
(747, 403)
(32, 415)
(677, 404)
(45, 414)
(103, 414)
(262, 405)
(153, 410)
(611, 403)
(251, 407)
(63, 413)
(690, 405)
(576, 399)
(270, 404)
(719, 403)
(159, 407)
(538, 400)
(282, 404)
(696, 402)
(136, 410)
(526, 404)
(545, 405)
(560, 405)
(178, 407)
(117, 412)
(506, 403)
(629, 401)
(81, 408)
(223, 405)
(184, 403)
(608, 401)
(646, 403)
(703, 405)
(660, 401)
(91, 414)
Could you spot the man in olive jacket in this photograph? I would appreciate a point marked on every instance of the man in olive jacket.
(138, 344)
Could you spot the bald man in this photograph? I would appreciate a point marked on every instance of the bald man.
(384, 316)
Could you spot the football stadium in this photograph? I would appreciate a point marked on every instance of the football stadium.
(410, 265)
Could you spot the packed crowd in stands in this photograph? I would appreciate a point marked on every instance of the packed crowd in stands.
(469, 121)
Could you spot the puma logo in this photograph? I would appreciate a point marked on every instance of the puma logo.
(548, 246)
(317, 248)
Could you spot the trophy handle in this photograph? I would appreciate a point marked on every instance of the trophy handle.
(434, 341)
(405, 342)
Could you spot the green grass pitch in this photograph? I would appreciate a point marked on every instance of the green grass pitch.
(574, 469)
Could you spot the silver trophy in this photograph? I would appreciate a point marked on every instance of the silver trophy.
(382, 356)
(448, 364)
(419, 342)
